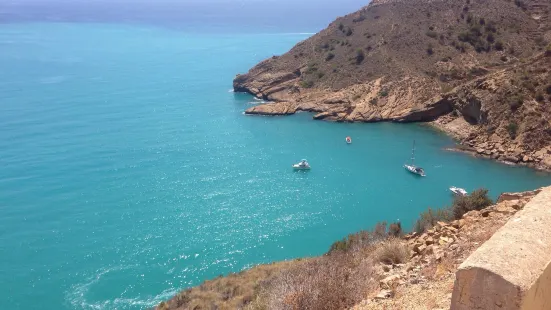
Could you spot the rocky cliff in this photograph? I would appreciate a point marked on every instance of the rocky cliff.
(477, 69)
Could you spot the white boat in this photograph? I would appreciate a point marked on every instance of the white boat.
(303, 165)
(348, 140)
(458, 191)
(411, 167)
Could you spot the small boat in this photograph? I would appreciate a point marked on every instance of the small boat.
(411, 167)
(458, 191)
(348, 140)
(302, 165)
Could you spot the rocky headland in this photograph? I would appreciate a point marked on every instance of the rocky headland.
(479, 70)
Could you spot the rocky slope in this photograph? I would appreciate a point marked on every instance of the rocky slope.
(427, 280)
(424, 279)
(478, 69)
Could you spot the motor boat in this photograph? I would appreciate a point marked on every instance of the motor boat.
(302, 165)
(412, 167)
(458, 191)
(348, 140)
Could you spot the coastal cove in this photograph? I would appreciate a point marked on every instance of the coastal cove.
(130, 171)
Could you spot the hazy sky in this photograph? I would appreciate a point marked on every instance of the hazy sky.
(293, 15)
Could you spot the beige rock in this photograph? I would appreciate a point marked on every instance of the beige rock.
(422, 248)
(442, 224)
(278, 108)
(384, 294)
(389, 281)
(512, 270)
(452, 229)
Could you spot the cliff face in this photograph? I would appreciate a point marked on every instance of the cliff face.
(477, 68)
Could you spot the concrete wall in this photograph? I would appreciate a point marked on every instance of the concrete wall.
(512, 270)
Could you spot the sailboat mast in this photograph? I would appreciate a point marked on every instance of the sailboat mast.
(413, 153)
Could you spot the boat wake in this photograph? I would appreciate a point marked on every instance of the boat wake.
(77, 296)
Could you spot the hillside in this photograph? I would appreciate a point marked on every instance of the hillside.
(480, 69)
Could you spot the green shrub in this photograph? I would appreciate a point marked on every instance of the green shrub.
(521, 4)
(341, 27)
(321, 75)
(431, 34)
(360, 56)
(311, 69)
(515, 102)
(490, 27)
(430, 51)
(512, 129)
(373, 101)
(329, 56)
(383, 93)
(490, 38)
(477, 200)
(306, 84)
(348, 32)
(429, 218)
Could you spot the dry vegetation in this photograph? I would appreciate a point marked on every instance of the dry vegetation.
(349, 273)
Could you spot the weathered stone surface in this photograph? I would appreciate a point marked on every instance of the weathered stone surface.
(389, 281)
(384, 294)
(512, 270)
(517, 196)
(277, 108)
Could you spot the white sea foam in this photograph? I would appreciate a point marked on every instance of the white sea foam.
(77, 297)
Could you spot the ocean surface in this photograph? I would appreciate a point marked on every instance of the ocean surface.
(129, 172)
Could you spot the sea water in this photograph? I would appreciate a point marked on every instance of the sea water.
(129, 172)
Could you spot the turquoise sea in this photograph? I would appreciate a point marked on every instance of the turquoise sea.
(129, 172)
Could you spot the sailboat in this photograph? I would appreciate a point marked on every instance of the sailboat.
(411, 167)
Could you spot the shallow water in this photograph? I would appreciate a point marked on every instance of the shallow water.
(129, 171)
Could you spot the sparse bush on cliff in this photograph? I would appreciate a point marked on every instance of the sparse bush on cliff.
(430, 50)
(429, 218)
(548, 89)
(383, 93)
(512, 129)
(477, 200)
(306, 84)
(395, 229)
(329, 56)
(348, 32)
(521, 4)
(336, 282)
(431, 34)
(360, 56)
(365, 238)
(392, 251)
(515, 102)
(540, 97)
